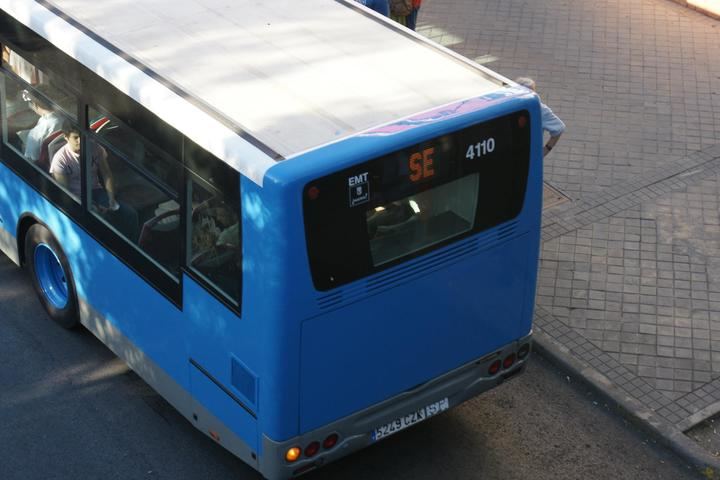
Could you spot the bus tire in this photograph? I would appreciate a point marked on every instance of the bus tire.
(51, 276)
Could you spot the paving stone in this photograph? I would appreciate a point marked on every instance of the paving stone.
(629, 275)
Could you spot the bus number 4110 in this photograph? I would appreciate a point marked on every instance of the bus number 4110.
(480, 148)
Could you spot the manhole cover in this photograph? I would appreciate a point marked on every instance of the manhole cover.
(552, 197)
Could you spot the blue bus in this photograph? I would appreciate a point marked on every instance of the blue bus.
(307, 233)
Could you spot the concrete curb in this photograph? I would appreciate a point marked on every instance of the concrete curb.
(649, 422)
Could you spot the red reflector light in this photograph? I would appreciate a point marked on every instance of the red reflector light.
(509, 360)
(494, 367)
(522, 121)
(313, 192)
(330, 441)
(312, 449)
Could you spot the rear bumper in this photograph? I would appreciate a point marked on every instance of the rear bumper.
(355, 431)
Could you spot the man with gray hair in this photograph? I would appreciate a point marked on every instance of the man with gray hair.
(551, 123)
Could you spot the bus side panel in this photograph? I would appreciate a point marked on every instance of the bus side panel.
(267, 262)
(225, 408)
(383, 345)
(8, 216)
(220, 342)
(148, 320)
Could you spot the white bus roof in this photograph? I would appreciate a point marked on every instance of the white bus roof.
(291, 75)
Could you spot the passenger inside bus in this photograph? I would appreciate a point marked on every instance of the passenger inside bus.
(65, 169)
(48, 122)
(215, 243)
(33, 106)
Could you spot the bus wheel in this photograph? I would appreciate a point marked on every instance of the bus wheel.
(51, 276)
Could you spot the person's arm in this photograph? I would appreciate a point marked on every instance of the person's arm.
(553, 125)
(550, 144)
(107, 177)
(63, 180)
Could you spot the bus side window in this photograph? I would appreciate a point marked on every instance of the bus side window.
(132, 188)
(36, 108)
(214, 251)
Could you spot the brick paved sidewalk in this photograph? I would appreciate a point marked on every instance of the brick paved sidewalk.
(629, 286)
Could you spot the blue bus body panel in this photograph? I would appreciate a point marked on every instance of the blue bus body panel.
(269, 293)
(225, 408)
(256, 344)
(144, 316)
(147, 319)
(310, 365)
(378, 345)
(370, 350)
(216, 335)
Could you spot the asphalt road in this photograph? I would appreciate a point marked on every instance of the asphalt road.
(70, 410)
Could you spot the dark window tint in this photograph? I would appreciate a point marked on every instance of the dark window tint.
(410, 224)
(124, 189)
(135, 203)
(35, 110)
(135, 148)
(214, 252)
(377, 214)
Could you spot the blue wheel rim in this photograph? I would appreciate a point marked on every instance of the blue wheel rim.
(51, 276)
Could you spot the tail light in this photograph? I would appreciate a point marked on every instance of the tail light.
(312, 449)
(494, 367)
(330, 441)
(509, 361)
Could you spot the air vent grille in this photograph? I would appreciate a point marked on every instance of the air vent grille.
(244, 381)
(414, 269)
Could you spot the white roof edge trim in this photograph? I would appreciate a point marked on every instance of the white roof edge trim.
(194, 123)
(375, 127)
(511, 85)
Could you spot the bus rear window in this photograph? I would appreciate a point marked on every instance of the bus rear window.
(388, 210)
(413, 223)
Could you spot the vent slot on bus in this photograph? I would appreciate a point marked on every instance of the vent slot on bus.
(244, 381)
(414, 269)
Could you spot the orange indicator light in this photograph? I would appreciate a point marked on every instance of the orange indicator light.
(293, 454)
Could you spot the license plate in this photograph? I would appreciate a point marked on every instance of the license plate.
(405, 421)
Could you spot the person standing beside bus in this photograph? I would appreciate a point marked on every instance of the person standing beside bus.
(411, 19)
(551, 123)
(400, 10)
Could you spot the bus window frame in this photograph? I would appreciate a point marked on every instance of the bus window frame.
(126, 252)
(147, 144)
(233, 304)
